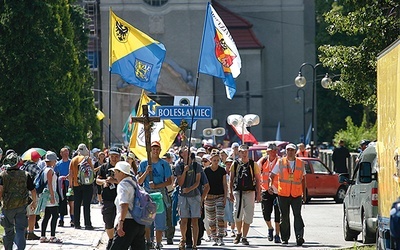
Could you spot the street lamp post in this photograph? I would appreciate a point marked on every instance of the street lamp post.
(298, 100)
(241, 122)
(300, 82)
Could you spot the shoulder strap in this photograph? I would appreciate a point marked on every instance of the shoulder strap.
(251, 162)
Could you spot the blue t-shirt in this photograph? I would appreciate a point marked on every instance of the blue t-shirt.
(62, 167)
(161, 172)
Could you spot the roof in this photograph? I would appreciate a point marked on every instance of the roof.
(240, 28)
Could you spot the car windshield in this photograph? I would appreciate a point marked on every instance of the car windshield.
(319, 168)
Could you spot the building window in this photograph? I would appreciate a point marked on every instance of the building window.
(156, 2)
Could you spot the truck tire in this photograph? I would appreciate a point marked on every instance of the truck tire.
(367, 236)
(340, 194)
(349, 234)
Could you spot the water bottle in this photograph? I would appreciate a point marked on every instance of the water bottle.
(70, 192)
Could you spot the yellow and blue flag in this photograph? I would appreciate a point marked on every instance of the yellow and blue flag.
(219, 56)
(135, 56)
(164, 131)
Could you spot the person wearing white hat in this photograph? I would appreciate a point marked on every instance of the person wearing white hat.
(291, 192)
(82, 193)
(129, 233)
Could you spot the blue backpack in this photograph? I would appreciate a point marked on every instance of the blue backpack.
(144, 208)
(39, 182)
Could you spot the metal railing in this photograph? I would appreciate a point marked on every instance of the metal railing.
(326, 157)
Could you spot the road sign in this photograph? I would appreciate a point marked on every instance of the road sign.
(183, 112)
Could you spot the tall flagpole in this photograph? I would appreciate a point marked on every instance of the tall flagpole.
(109, 80)
(197, 78)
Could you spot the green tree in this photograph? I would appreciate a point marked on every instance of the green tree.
(45, 96)
(365, 28)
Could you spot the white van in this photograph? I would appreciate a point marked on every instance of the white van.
(360, 205)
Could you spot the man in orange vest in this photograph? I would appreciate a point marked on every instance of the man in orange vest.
(291, 190)
(269, 191)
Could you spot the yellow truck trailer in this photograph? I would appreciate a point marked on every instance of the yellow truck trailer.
(388, 143)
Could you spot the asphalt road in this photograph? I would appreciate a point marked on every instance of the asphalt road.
(323, 220)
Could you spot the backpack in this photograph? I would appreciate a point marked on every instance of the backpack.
(144, 209)
(85, 172)
(39, 182)
(244, 176)
(395, 220)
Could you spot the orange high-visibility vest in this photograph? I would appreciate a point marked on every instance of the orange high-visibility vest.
(289, 181)
(265, 173)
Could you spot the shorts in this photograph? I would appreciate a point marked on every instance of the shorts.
(109, 211)
(269, 202)
(189, 207)
(160, 223)
(247, 206)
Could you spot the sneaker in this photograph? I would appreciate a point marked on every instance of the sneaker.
(72, 224)
(237, 239)
(32, 236)
(226, 233)
(89, 228)
(245, 241)
(158, 247)
(270, 234)
(299, 241)
(209, 239)
(77, 227)
(216, 242)
(149, 245)
(285, 242)
(233, 234)
(277, 239)
(221, 242)
(170, 242)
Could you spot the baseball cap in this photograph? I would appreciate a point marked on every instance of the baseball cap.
(50, 156)
(201, 150)
(234, 145)
(291, 146)
(156, 144)
(114, 151)
(272, 146)
(243, 147)
(131, 155)
(95, 150)
(229, 159)
(206, 157)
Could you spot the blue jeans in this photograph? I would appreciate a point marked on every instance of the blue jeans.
(14, 219)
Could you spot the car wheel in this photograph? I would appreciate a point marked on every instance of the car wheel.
(349, 234)
(340, 194)
(367, 236)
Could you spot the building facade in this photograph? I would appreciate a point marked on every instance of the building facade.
(273, 37)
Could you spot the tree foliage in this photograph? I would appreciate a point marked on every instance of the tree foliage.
(354, 134)
(45, 83)
(364, 29)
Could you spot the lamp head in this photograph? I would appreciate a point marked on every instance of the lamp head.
(300, 81)
(326, 82)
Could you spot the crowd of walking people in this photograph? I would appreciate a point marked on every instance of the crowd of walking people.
(210, 192)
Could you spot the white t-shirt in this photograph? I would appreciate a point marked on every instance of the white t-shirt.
(125, 194)
(53, 184)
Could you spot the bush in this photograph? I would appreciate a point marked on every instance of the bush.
(353, 134)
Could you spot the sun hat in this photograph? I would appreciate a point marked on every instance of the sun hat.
(82, 149)
(50, 156)
(124, 167)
